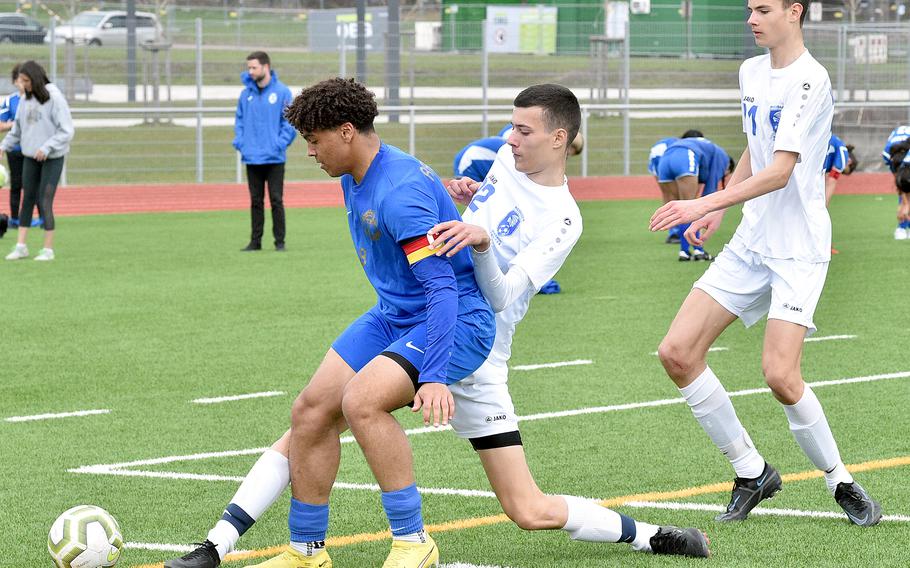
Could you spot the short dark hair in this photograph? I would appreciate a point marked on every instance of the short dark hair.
(14, 74)
(38, 77)
(560, 107)
(260, 56)
(330, 104)
(852, 162)
(803, 3)
(902, 178)
(692, 133)
(898, 151)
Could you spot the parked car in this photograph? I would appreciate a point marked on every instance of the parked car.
(106, 28)
(19, 28)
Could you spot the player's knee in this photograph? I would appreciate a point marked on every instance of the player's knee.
(355, 407)
(309, 410)
(529, 515)
(785, 382)
(676, 358)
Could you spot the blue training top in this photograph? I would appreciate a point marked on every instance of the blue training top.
(657, 150)
(837, 157)
(899, 134)
(8, 112)
(475, 160)
(713, 161)
(396, 204)
(262, 134)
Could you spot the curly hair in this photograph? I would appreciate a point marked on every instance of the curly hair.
(898, 152)
(330, 104)
(852, 162)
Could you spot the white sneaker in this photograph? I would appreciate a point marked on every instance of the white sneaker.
(901, 234)
(19, 251)
(45, 254)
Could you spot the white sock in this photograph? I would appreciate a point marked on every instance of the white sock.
(417, 537)
(810, 428)
(308, 548)
(265, 482)
(711, 406)
(591, 522)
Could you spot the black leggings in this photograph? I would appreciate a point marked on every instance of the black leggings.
(39, 182)
(14, 158)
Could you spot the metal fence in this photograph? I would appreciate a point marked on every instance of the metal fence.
(193, 144)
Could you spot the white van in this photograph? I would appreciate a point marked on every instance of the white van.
(106, 28)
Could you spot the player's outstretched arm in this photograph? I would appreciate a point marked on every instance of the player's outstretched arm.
(462, 189)
(702, 229)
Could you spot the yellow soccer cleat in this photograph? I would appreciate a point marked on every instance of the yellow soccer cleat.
(413, 554)
(290, 558)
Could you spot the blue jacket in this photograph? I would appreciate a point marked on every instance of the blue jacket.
(261, 132)
(8, 112)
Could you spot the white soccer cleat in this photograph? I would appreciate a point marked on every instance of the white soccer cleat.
(19, 252)
(900, 234)
(45, 254)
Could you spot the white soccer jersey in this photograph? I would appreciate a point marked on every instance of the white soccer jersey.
(787, 109)
(531, 226)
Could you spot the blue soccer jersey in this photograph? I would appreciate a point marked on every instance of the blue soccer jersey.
(476, 159)
(398, 200)
(899, 134)
(657, 151)
(837, 158)
(711, 159)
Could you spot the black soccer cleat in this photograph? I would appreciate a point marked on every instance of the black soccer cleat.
(681, 542)
(672, 240)
(684, 256)
(702, 255)
(747, 493)
(205, 556)
(861, 509)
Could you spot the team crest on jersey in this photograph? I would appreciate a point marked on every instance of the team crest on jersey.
(427, 171)
(774, 117)
(371, 225)
(509, 223)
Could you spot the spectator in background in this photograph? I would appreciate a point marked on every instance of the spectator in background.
(44, 128)
(14, 156)
(262, 136)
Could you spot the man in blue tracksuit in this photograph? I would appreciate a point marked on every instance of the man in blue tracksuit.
(262, 136)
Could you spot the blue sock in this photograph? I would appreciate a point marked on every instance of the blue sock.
(402, 507)
(683, 243)
(905, 225)
(308, 523)
(675, 232)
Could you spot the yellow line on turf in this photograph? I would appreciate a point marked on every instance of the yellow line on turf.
(473, 522)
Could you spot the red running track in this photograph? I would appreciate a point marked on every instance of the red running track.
(115, 199)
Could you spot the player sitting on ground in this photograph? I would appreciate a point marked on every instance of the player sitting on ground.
(683, 166)
(775, 264)
(894, 154)
(657, 150)
(544, 115)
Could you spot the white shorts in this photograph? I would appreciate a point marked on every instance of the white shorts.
(483, 405)
(750, 286)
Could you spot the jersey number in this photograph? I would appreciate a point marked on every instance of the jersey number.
(751, 114)
(483, 193)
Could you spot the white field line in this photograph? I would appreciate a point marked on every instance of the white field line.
(57, 415)
(552, 365)
(756, 511)
(232, 398)
(121, 468)
(828, 338)
(710, 350)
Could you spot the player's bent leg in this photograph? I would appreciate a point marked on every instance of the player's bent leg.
(697, 325)
(381, 387)
(808, 424)
(263, 484)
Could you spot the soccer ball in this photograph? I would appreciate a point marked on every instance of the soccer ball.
(3, 176)
(85, 537)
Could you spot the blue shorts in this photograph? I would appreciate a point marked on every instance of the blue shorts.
(677, 162)
(372, 334)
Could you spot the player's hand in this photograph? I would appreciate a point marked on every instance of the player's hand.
(701, 229)
(437, 403)
(675, 213)
(452, 236)
(40, 156)
(462, 189)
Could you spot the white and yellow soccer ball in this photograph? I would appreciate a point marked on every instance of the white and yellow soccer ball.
(4, 177)
(85, 537)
